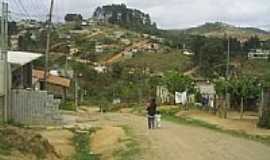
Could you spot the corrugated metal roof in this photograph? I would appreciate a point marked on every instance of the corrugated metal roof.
(22, 58)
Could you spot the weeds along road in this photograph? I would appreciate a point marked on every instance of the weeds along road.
(182, 142)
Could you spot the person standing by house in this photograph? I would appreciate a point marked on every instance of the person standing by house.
(151, 108)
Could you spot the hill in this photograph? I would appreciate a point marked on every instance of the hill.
(218, 29)
(265, 27)
(125, 17)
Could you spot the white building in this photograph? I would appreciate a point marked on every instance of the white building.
(99, 49)
(258, 54)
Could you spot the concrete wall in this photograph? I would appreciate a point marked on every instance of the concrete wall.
(34, 108)
(2, 91)
(1, 108)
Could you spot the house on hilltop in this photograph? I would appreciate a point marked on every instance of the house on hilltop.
(258, 54)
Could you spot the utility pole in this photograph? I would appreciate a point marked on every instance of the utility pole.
(76, 90)
(4, 53)
(49, 25)
(227, 79)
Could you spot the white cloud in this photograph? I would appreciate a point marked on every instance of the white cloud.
(174, 13)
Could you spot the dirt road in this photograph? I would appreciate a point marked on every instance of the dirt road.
(118, 56)
(181, 142)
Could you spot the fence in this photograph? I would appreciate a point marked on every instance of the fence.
(34, 108)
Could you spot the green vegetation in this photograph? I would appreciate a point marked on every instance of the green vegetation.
(131, 150)
(161, 62)
(68, 105)
(218, 29)
(258, 68)
(81, 141)
(129, 18)
(241, 87)
(5, 148)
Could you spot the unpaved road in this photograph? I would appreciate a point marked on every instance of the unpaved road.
(181, 142)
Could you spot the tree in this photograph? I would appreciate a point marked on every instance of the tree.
(252, 43)
(176, 82)
(12, 28)
(222, 87)
(73, 18)
(244, 87)
(212, 58)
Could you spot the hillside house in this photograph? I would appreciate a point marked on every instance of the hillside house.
(64, 36)
(92, 22)
(58, 86)
(145, 35)
(258, 54)
(99, 48)
(84, 23)
(100, 68)
(79, 32)
(151, 47)
(187, 52)
(125, 41)
(128, 55)
(73, 51)
(14, 42)
(208, 93)
(118, 34)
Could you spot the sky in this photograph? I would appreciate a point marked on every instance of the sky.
(168, 14)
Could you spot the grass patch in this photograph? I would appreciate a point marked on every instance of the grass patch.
(68, 106)
(81, 141)
(131, 149)
(159, 61)
(5, 148)
(170, 115)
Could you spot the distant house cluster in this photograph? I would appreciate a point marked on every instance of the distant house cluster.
(258, 54)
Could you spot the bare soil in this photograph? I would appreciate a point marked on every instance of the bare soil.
(26, 144)
(181, 142)
(62, 142)
(106, 141)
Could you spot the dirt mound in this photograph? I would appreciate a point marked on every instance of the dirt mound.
(27, 142)
(61, 140)
(106, 141)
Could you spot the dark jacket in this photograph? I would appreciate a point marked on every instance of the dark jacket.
(151, 109)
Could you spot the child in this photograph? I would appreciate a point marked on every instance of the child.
(158, 119)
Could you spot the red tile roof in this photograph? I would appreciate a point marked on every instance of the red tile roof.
(55, 80)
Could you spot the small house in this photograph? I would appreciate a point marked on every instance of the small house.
(258, 54)
(118, 34)
(99, 48)
(100, 68)
(208, 92)
(58, 86)
(84, 23)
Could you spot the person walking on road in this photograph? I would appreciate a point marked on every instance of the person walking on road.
(151, 112)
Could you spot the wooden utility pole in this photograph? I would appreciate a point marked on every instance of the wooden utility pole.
(227, 98)
(4, 53)
(49, 27)
(76, 90)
